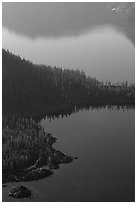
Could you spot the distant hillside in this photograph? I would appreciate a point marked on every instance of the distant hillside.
(124, 9)
(35, 89)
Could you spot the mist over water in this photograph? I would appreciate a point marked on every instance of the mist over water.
(86, 36)
(104, 52)
(92, 157)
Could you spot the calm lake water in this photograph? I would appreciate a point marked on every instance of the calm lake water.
(104, 141)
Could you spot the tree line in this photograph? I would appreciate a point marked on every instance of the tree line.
(33, 89)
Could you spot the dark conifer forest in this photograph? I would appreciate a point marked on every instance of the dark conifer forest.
(33, 89)
(77, 107)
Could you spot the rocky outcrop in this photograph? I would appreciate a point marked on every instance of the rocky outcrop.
(36, 174)
(42, 158)
(20, 192)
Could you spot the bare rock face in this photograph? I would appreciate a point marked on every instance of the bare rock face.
(20, 192)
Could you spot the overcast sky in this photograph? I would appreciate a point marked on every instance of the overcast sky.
(55, 19)
(86, 36)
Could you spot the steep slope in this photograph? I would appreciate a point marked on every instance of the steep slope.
(36, 89)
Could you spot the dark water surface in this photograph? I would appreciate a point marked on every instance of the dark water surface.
(103, 140)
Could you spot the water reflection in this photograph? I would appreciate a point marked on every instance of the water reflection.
(76, 109)
(103, 140)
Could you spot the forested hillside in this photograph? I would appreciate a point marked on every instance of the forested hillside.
(36, 89)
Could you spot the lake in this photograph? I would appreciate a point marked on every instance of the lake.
(103, 139)
(102, 45)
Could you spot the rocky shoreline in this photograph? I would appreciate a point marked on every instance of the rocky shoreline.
(20, 192)
(28, 155)
(49, 158)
